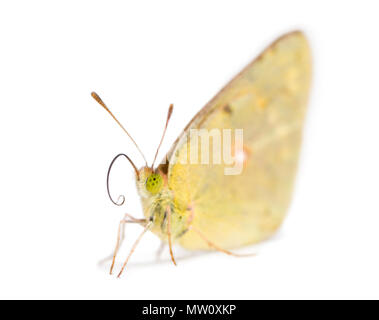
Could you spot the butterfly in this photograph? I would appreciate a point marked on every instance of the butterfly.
(197, 204)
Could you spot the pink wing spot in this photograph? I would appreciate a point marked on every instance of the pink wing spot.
(242, 156)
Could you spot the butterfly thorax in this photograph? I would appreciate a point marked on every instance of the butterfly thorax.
(158, 205)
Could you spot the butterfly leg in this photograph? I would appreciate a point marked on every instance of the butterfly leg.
(216, 247)
(147, 227)
(121, 234)
(168, 210)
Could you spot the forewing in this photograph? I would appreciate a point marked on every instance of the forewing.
(268, 101)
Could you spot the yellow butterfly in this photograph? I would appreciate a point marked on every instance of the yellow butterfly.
(198, 205)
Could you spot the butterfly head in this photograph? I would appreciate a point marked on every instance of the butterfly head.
(150, 182)
(154, 183)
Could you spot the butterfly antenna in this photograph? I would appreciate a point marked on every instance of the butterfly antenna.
(99, 101)
(170, 109)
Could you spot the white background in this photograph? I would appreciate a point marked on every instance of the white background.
(56, 221)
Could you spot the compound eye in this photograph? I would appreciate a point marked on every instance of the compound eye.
(154, 183)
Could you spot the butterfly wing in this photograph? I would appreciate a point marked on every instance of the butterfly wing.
(268, 101)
